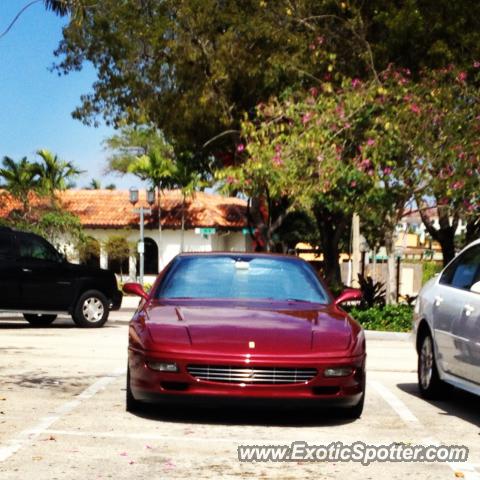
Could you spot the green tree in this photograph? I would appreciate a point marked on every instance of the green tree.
(442, 124)
(19, 179)
(118, 250)
(54, 174)
(194, 68)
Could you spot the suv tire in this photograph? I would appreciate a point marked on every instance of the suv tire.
(91, 310)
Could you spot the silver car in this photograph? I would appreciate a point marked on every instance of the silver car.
(447, 326)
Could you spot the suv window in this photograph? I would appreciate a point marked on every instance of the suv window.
(464, 271)
(5, 246)
(31, 246)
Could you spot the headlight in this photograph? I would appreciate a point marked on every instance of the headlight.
(338, 372)
(171, 367)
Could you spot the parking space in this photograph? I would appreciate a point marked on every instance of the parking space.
(63, 416)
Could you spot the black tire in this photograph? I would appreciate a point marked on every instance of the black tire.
(39, 320)
(356, 411)
(91, 310)
(429, 383)
(132, 404)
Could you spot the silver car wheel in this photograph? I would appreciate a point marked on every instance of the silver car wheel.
(93, 309)
(426, 362)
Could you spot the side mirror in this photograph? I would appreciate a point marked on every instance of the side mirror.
(135, 289)
(349, 295)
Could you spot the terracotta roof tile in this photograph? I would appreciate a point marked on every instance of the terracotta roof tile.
(112, 209)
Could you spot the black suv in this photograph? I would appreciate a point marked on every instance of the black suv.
(37, 280)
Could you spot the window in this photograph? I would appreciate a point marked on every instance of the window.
(5, 246)
(33, 247)
(464, 271)
(242, 277)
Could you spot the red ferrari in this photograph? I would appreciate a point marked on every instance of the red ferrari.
(240, 326)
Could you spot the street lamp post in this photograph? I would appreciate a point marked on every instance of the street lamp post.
(142, 211)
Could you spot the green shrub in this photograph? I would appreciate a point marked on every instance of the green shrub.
(430, 269)
(391, 318)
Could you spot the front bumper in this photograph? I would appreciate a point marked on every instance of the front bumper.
(152, 386)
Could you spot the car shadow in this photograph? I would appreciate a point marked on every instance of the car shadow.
(456, 403)
(20, 325)
(264, 415)
(57, 325)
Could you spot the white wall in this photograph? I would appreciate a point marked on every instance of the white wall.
(169, 243)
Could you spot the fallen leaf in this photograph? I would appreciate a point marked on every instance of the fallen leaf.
(459, 475)
(148, 447)
(169, 464)
(124, 454)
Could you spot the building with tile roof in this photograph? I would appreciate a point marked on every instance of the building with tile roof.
(211, 223)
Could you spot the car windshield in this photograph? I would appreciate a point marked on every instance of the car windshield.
(242, 277)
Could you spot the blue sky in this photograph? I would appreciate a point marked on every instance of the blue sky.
(36, 104)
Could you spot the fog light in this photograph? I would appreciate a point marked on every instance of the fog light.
(163, 366)
(338, 372)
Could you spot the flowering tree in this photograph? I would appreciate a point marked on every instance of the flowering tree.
(443, 128)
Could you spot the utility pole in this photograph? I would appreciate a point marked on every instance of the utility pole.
(142, 211)
(356, 254)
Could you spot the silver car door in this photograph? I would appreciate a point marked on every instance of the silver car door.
(466, 327)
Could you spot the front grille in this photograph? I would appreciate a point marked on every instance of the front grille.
(257, 375)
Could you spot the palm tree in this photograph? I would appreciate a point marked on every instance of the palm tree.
(19, 179)
(159, 170)
(54, 174)
(94, 184)
(60, 7)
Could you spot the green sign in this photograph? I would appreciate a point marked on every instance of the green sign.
(206, 231)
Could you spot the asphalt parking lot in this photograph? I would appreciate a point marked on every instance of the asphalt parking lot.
(62, 416)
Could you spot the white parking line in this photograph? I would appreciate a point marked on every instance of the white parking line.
(401, 409)
(26, 436)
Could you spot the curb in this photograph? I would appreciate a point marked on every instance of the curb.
(377, 335)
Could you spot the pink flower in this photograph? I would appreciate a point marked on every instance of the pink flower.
(365, 165)
(277, 160)
(458, 184)
(307, 117)
(312, 46)
(230, 180)
(320, 40)
(370, 142)
(462, 76)
(415, 108)
(353, 183)
(387, 170)
(356, 82)
(476, 64)
(314, 92)
(240, 147)
(320, 158)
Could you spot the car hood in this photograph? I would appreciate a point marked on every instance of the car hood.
(255, 329)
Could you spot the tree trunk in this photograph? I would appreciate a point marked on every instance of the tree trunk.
(473, 230)
(332, 226)
(446, 238)
(445, 234)
(331, 255)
